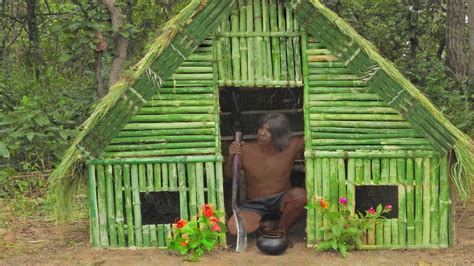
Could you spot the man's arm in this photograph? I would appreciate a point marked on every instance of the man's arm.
(234, 148)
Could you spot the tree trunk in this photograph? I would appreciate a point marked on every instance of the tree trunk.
(412, 17)
(121, 43)
(470, 12)
(33, 36)
(455, 26)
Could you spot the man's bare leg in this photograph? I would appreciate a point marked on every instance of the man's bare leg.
(251, 221)
(292, 207)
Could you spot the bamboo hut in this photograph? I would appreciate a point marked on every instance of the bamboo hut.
(161, 132)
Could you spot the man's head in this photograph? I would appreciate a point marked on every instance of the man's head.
(274, 127)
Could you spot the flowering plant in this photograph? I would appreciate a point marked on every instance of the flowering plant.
(342, 230)
(200, 234)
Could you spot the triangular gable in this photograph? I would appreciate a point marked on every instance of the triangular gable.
(380, 75)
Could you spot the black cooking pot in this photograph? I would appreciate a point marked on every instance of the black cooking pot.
(273, 242)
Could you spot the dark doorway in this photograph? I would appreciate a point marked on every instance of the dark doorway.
(159, 207)
(372, 196)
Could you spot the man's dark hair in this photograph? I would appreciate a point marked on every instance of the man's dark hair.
(279, 128)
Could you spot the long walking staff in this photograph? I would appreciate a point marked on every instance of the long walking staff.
(241, 232)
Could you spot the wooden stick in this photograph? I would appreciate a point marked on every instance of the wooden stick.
(119, 203)
(111, 225)
(128, 205)
(93, 208)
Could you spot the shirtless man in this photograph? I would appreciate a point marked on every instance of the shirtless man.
(267, 164)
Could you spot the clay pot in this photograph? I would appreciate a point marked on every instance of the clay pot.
(273, 242)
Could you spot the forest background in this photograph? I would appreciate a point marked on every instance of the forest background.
(58, 57)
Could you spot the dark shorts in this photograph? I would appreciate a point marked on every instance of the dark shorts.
(264, 206)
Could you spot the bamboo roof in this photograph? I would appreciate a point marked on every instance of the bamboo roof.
(183, 34)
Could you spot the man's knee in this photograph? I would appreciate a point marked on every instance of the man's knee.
(297, 196)
(251, 222)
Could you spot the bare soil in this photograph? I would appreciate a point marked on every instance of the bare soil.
(35, 241)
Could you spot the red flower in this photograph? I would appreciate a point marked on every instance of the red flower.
(388, 207)
(214, 219)
(207, 210)
(216, 228)
(343, 201)
(323, 204)
(371, 211)
(183, 243)
(181, 223)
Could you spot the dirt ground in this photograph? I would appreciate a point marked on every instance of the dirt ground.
(34, 241)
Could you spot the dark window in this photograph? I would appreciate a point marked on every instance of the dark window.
(372, 196)
(159, 207)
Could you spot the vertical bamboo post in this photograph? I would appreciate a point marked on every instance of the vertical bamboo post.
(200, 184)
(393, 181)
(234, 27)
(351, 170)
(250, 42)
(359, 180)
(444, 202)
(142, 177)
(128, 205)
(93, 208)
(211, 183)
(149, 177)
(119, 204)
(419, 201)
(333, 186)
(426, 200)
(282, 27)
(146, 235)
(402, 204)
(153, 238)
(290, 49)
(267, 51)
(191, 170)
(173, 177)
(183, 196)
(387, 224)
(161, 235)
(368, 180)
(318, 192)
(376, 170)
(310, 187)
(243, 41)
(410, 202)
(434, 205)
(110, 206)
(220, 195)
(157, 176)
(137, 218)
(306, 93)
(226, 51)
(275, 41)
(326, 185)
(297, 51)
(341, 176)
(385, 172)
(164, 177)
(259, 53)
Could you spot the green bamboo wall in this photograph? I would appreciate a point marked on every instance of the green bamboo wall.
(114, 195)
(180, 119)
(259, 46)
(423, 195)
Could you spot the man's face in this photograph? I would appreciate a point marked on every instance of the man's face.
(264, 136)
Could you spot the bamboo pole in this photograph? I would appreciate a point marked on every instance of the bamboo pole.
(128, 205)
(211, 183)
(146, 235)
(110, 200)
(191, 171)
(333, 185)
(93, 208)
(173, 177)
(267, 50)
(444, 202)
(283, 43)
(410, 202)
(398, 147)
(119, 203)
(172, 110)
(171, 159)
(297, 52)
(183, 188)
(226, 52)
(173, 118)
(341, 176)
(318, 193)
(306, 93)
(164, 177)
(311, 194)
(359, 170)
(385, 172)
(243, 41)
(290, 58)
(234, 18)
(434, 204)
(320, 134)
(275, 44)
(351, 172)
(375, 168)
(355, 117)
(157, 176)
(250, 41)
(344, 96)
(149, 176)
(161, 235)
(393, 181)
(175, 126)
(371, 154)
(179, 103)
(193, 151)
(419, 201)
(426, 200)
(142, 177)
(363, 131)
(413, 142)
(354, 90)
(200, 184)
(366, 124)
(260, 83)
(346, 103)
(326, 186)
(402, 202)
(153, 236)
(276, 33)
(137, 219)
(259, 52)
(220, 195)
(163, 139)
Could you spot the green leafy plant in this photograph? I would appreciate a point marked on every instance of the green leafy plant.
(193, 238)
(343, 230)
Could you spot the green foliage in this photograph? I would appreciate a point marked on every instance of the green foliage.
(342, 230)
(195, 237)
